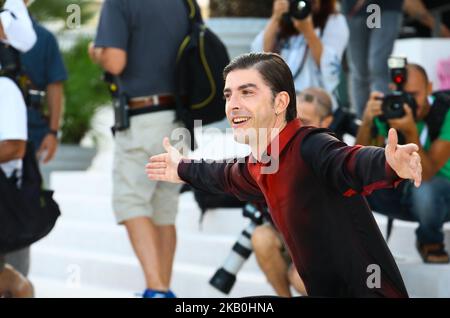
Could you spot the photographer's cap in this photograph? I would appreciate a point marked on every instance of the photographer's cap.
(17, 25)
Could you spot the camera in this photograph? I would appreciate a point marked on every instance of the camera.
(299, 9)
(344, 122)
(392, 105)
(225, 276)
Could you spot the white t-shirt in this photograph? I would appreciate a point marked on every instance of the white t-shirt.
(334, 39)
(13, 119)
(17, 25)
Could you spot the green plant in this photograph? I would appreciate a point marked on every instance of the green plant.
(53, 10)
(84, 92)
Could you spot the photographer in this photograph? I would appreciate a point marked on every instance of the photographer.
(43, 68)
(427, 124)
(314, 108)
(312, 47)
(13, 136)
(16, 32)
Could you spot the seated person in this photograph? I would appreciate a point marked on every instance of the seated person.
(314, 109)
(312, 47)
(430, 128)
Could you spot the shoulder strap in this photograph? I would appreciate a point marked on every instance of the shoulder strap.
(193, 10)
(438, 111)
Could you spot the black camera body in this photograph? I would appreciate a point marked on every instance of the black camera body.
(300, 9)
(392, 105)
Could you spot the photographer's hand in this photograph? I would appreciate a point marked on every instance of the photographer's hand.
(48, 146)
(405, 124)
(280, 7)
(373, 107)
(403, 159)
(164, 167)
(306, 27)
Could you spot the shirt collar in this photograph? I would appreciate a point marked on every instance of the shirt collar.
(285, 135)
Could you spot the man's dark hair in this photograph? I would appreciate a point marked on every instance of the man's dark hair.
(275, 73)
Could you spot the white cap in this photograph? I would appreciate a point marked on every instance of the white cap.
(17, 25)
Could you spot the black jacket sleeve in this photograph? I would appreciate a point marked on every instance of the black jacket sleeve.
(215, 177)
(349, 170)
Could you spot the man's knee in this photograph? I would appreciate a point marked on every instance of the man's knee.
(427, 201)
(23, 289)
(13, 284)
(265, 240)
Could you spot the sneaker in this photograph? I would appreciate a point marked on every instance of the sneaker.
(433, 253)
(152, 293)
(170, 294)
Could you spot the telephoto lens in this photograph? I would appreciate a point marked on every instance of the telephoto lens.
(225, 276)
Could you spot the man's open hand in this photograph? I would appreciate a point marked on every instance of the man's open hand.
(403, 159)
(164, 167)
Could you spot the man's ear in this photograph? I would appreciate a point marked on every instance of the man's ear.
(281, 102)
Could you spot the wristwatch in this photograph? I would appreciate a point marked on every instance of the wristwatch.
(54, 132)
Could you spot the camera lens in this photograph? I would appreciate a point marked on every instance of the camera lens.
(300, 9)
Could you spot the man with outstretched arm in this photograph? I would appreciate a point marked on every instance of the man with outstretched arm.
(316, 192)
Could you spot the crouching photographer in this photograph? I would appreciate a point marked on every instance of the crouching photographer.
(422, 118)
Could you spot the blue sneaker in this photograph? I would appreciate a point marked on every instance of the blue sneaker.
(170, 294)
(152, 293)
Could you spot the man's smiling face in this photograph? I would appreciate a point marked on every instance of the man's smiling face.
(249, 104)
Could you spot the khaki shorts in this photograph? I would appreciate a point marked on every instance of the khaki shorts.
(134, 195)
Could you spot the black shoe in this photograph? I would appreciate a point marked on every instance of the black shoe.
(433, 253)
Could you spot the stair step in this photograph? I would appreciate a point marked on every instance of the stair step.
(81, 269)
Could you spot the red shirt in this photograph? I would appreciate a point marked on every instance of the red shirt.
(316, 201)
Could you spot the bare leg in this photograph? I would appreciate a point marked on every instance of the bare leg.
(167, 241)
(13, 284)
(296, 281)
(143, 235)
(267, 247)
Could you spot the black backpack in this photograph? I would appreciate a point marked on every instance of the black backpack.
(26, 214)
(200, 62)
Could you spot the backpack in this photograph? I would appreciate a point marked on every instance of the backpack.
(28, 213)
(199, 68)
